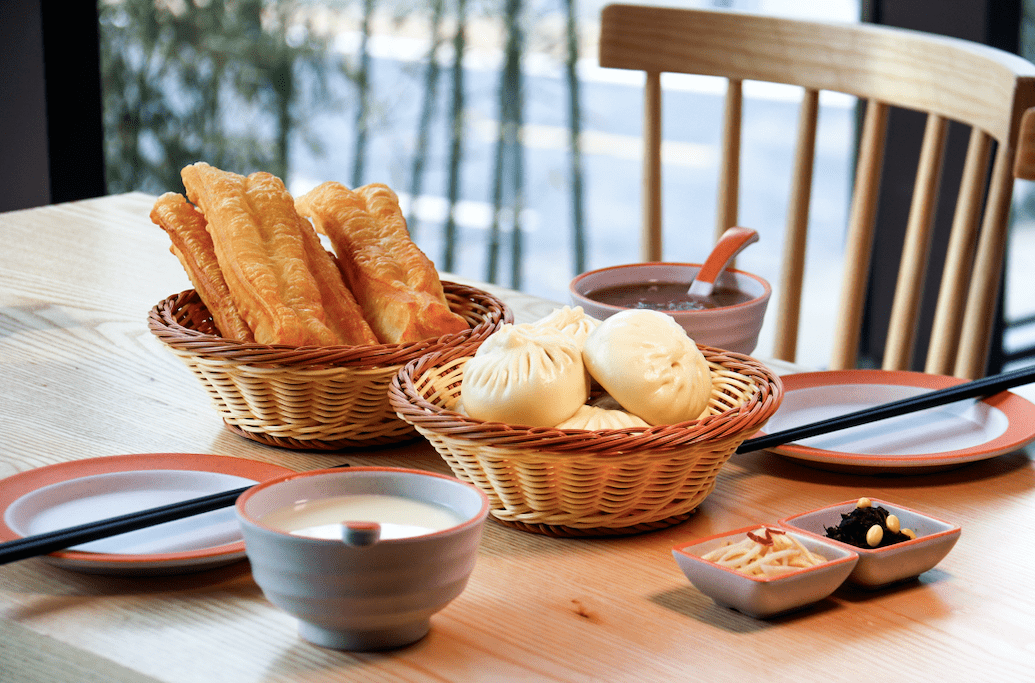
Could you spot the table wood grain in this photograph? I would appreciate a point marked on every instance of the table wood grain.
(81, 377)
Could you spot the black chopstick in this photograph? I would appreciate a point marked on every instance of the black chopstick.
(52, 541)
(980, 387)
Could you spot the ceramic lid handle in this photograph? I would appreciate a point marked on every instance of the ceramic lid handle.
(360, 533)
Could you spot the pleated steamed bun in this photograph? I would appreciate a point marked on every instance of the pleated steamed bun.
(525, 376)
(647, 363)
(572, 321)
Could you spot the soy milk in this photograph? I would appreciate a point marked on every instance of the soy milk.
(398, 517)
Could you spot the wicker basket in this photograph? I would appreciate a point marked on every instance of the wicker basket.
(316, 398)
(576, 483)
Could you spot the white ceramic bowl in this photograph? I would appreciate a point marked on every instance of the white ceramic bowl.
(351, 596)
(764, 597)
(733, 328)
(882, 566)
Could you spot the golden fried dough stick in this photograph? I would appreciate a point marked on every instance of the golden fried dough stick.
(418, 271)
(283, 280)
(420, 275)
(192, 245)
(394, 282)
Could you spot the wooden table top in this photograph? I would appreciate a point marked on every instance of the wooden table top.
(82, 377)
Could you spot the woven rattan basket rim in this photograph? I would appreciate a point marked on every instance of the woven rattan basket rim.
(734, 424)
(165, 323)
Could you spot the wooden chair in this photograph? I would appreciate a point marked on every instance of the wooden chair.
(986, 89)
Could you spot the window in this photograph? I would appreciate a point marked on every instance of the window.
(361, 92)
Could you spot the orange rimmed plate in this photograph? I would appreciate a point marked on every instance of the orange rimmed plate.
(937, 438)
(79, 491)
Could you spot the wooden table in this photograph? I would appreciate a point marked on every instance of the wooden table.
(81, 377)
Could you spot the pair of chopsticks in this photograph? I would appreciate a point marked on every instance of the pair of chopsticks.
(42, 544)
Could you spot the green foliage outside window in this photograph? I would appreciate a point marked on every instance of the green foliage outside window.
(212, 80)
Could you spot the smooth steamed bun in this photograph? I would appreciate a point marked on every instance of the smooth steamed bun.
(525, 376)
(647, 363)
(595, 417)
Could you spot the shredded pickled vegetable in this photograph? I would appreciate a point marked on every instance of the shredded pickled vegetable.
(766, 552)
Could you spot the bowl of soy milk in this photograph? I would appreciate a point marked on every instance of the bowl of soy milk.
(363, 556)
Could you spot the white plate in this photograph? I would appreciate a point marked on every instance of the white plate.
(936, 438)
(80, 491)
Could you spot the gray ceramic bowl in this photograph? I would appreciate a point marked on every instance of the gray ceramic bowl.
(356, 592)
(732, 328)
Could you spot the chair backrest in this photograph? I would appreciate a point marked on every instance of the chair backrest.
(986, 89)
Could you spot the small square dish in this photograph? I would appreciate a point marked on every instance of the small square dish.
(884, 565)
(763, 596)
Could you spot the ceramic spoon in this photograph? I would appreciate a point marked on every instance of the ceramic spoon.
(732, 242)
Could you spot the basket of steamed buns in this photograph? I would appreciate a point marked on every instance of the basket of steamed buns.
(575, 427)
(303, 310)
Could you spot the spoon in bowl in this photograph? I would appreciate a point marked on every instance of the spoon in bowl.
(732, 242)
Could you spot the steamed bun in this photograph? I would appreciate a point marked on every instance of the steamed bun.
(646, 361)
(525, 376)
(572, 321)
(595, 417)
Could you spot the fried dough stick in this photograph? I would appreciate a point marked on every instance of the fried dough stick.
(192, 245)
(394, 282)
(286, 285)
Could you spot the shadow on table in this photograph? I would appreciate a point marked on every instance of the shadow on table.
(932, 608)
(301, 660)
(771, 464)
(689, 602)
(36, 577)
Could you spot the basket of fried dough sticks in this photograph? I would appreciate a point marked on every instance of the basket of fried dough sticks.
(295, 341)
(603, 471)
